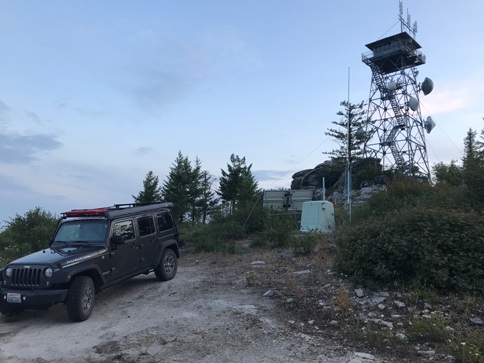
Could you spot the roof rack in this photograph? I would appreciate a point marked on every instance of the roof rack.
(93, 212)
(132, 205)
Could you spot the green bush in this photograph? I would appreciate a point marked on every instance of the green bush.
(439, 248)
(279, 231)
(26, 233)
(404, 192)
(430, 329)
(213, 237)
(468, 348)
(308, 243)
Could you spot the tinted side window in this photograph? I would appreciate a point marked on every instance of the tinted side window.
(124, 228)
(165, 221)
(146, 226)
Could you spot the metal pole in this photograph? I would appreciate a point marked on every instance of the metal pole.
(348, 193)
(323, 190)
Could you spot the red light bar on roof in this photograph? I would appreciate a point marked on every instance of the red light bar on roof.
(86, 212)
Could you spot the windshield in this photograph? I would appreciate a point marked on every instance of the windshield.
(90, 232)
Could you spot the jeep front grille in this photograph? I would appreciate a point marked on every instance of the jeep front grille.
(26, 277)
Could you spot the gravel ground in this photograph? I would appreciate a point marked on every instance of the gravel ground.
(207, 313)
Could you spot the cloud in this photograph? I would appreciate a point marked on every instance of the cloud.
(161, 71)
(273, 179)
(21, 149)
(65, 106)
(3, 107)
(18, 198)
(58, 185)
(446, 101)
(34, 117)
(454, 96)
(143, 150)
(227, 46)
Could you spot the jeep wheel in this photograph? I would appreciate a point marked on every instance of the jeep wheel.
(80, 298)
(166, 270)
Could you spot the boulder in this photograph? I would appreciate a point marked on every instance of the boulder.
(334, 175)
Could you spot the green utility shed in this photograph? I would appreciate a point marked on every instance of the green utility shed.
(317, 216)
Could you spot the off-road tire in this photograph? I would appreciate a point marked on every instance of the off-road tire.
(166, 270)
(80, 298)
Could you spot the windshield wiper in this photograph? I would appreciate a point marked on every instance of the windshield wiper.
(65, 243)
(80, 243)
(55, 245)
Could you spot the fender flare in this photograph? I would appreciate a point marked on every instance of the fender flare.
(91, 270)
(172, 244)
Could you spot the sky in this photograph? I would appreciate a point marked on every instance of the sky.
(96, 93)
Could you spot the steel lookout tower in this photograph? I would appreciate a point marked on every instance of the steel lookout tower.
(395, 129)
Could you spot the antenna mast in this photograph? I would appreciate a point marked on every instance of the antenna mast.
(348, 164)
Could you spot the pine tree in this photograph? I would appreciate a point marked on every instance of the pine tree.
(473, 168)
(355, 113)
(207, 199)
(237, 185)
(176, 188)
(201, 197)
(195, 190)
(471, 150)
(448, 174)
(151, 192)
(188, 187)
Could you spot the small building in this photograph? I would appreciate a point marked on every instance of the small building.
(317, 216)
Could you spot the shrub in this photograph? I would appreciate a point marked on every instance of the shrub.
(213, 237)
(308, 244)
(26, 233)
(431, 329)
(279, 231)
(404, 192)
(468, 348)
(440, 248)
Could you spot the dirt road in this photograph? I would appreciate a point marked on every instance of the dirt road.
(206, 314)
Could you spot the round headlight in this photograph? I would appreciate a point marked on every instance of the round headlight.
(48, 272)
(8, 272)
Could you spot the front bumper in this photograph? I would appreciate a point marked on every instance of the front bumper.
(32, 299)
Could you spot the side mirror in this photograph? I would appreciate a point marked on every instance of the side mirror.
(118, 240)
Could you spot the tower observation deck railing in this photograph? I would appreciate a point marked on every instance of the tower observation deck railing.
(393, 58)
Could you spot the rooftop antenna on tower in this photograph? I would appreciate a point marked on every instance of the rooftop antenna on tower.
(406, 24)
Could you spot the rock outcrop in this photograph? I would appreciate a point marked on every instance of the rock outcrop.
(365, 174)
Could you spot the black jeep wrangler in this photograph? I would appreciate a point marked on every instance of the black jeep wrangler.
(92, 249)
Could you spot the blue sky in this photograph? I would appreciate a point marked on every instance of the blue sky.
(94, 94)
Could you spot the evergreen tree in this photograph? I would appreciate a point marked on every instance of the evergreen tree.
(201, 196)
(207, 200)
(473, 168)
(151, 192)
(237, 185)
(448, 174)
(177, 187)
(471, 150)
(188, 187)
(195, 190)
(355, 113)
